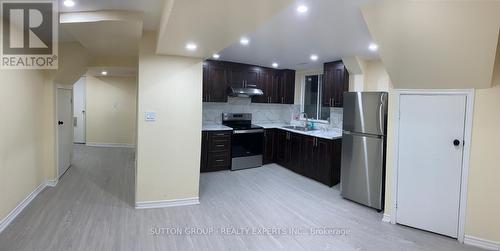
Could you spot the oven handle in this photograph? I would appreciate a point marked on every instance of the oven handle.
(248, 131)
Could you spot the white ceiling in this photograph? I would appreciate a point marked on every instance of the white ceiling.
(331, 29)
(151, 8)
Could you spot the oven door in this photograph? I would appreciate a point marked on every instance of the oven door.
(246, 148)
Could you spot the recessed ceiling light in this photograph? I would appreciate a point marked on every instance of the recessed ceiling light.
(275, 65)
(302, 8)
(244, 41)
(216, 56)
(69, 3)
(191, 46)
(104, 73)
(373, 47)
(314, 57)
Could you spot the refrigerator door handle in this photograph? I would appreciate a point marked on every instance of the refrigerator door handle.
(381, 114)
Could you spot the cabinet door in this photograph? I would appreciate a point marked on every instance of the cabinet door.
(236, 75)
(341, 84)
(335, 83)
(268, 146)
(263, 83)
(295, 153)
(206, 86)
(336, 160)
(252, 75)
(322, 160)
(204, 152)
(288, 92)
(217, 79)
(308, 157)
(327, 86)
(281, 139)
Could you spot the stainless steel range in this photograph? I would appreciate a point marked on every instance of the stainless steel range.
(247, 140)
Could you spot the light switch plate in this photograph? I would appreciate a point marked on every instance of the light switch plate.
(150, 116)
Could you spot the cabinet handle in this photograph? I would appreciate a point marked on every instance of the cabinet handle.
(220, 145)
(219, 160)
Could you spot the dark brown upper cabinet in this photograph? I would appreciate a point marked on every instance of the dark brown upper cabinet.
(286, 87)
(278, 85)
(215, 81)
(335, 83)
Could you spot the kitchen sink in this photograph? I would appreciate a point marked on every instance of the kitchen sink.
(299, 128)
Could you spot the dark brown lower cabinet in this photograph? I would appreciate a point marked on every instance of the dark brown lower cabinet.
(215, 151)
(313, 157)
(269, 149)
(282, 146)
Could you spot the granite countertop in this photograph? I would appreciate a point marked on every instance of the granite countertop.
(215, 127)
(320, 133)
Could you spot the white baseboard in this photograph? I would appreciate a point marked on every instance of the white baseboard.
(167, 203)
(386, 218)
(19, 208)
(481, 243)
(96, 144)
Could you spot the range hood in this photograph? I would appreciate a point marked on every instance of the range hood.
(245, 92)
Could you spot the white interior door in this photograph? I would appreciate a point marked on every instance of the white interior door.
(64, 129)
(79, 111)
(430, 162)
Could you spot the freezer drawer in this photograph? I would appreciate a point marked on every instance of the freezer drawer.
(362, 169)
(365, 112)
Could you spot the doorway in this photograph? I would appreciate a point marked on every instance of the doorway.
(432, 148)
(79, 111)
(64, 108)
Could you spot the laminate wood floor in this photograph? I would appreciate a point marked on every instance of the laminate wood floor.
(268, 208)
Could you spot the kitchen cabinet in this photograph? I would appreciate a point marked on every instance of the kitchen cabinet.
(295, 153)
(215, 81)
(286, 87)
(269, 146)
(267, 85)
(335, 83)
(282, 147)
(278, 85)
(215, 151)
(242, 75)
(313, 157)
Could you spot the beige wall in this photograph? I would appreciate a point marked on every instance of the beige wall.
(22, 144)
(483, 200)
(168, 154)
(111, 110)
(446, 44)
(376, 77)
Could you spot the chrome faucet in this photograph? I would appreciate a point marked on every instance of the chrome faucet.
(306, 117)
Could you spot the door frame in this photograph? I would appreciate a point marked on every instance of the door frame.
(56, 128)
(469, 112)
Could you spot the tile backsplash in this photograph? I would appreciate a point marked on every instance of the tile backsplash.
(264, 113)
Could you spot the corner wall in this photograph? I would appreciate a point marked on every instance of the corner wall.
(22, 145)
(168, 149)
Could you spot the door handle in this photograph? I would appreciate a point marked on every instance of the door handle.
(456, 142)
(60, 122)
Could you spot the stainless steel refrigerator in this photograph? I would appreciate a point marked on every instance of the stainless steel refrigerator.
(364, 148)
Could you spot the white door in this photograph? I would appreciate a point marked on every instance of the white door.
(431, 134)
(79, 111)
(64, 129)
